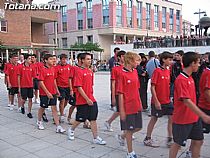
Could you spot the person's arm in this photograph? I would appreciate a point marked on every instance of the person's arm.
(207, 94)
(113, 90)
(19, 83)
(121, 107)
(84, 95)
(154, 96)
(42, 85)
(71, 87)
(8, 81)
(56, 87)
(196, 110)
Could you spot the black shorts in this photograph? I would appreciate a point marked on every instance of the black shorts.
(166, 109)
(187, 131)
(206, 127)
(26, 93)
(64, 93)
(45, 101)
(86, 112)
(117, 103)
(13, 90)
(132, 122)
(36, 84)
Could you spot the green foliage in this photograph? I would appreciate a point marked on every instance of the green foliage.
(88, 47)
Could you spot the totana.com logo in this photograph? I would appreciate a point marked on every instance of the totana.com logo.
(11, 5)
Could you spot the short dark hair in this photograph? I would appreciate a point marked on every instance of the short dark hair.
(116, 49)
(190, 57)
(151, 54)
(26, 56)
(83, 55)
(47, 56)
(165, 55)
(120, 53)
(33, 55)
(13, 55)
(63, 56)
(78, 56)
(180, 52)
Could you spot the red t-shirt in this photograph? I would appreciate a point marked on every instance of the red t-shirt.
(129, 86)
(27, 74)
(115, 76)
(204, 85)
(6, 66)
(84, 79)
(12, 72)
(63, 75)
(47, 75)
(35, 67)
(184, 88)
(40, 66)
(73, 73)
(161, 81)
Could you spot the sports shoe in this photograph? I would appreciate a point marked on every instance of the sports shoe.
(133, 137)
(8, 105)
(169, 142)
(44, 117)
(70, 134)
(22, 110)
(188, 154)
(11, 108)
(60, 129)
(131, 155)
(151, 143)
(40, 125)
(29, 115)
(19, 109)
(36, 101)
(120, 140)
(108, 127)
(99, 141)
(62, 119)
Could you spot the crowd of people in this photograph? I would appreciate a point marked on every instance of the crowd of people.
(176, 85)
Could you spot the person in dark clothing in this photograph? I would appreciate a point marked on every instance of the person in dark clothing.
(143, 79)
(113, 60)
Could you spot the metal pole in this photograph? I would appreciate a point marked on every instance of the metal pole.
(7, 55)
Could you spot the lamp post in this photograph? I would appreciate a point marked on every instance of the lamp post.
(199, 13)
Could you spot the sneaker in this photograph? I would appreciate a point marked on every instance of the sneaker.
(70, 134)
(120, 140)
(8, 105)
(19, 109)
(188, 154)
(133, 137)
(99, 141)
(40, 125)
(131, 155)
(169, 142)
(108, 127)
(37, 101)
(29, 115)
(22, 110)
(44, 117)
(60, 129)
(11, 108)
(62, 119)
(151, 143)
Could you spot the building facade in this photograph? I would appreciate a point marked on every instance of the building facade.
(115, 21)
(187, 28)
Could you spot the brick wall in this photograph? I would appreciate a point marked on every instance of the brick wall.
(160, 20)
(152, 20)
(97, 16)
(71, 21)
(143, 18)
(124, 15)
(112, 14)
(134, 19)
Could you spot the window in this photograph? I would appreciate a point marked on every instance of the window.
(178, 21)
(89, 14)
(64, 18)
(3, 26)
(64, 24)
(90, 39)
(156, 16)
(148, 15)
(64, 42)
(79, 16)
(164, 17)
(139, 13)
(171, 19)
(64, 10)
(80, 39)
(119, 12)
(105, 4)
(129, 13)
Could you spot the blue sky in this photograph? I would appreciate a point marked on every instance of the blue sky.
(189, 7)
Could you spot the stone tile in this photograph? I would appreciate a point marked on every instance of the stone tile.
(4, 145)
(13, 152)
(20, 139)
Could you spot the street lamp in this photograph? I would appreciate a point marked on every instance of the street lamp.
(199, 13)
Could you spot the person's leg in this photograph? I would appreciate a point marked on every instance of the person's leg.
(170, 135)
(12, 99)
(113, 117)
(196, 148)
(151, 125)
(94, 129)
(128, 136)
(55, 115)
(29, 105)
(75, 124)
(40, 113)
(174, 150)
(61, 107)
(71, 110)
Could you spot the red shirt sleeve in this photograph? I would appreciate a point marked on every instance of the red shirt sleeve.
(78, 81)
(182, 90)
(155, 77)
(5, 68)
(120, 87)
(42, 75)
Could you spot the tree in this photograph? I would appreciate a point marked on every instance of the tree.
(88, 47)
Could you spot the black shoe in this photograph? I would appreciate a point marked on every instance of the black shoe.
(22, 110)
(44, 117)
(29, 115)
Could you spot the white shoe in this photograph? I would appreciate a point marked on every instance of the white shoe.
(188, 154)
(133, 137)
(11, 108)
(99, 141)
(40, 125)
(37, 101)
(62, 119)
(8, 105)
(70, 134)
(131, 155)
(19, 109)
(108, 127)
(120, 140)
(60, 129)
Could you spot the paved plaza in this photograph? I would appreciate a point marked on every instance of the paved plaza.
(19, 136)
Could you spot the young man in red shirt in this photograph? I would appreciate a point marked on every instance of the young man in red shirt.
(129, 103)
(86, 104)
(186, 122)
(48, 92)
(64, 71)
(12, 80)
(25, 83)
(160, 103)
(204, 100)
(114, 84)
